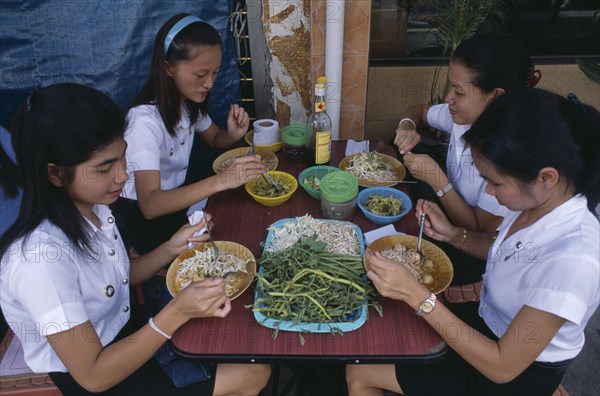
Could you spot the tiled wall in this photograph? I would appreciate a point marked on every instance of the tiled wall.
(355, 63)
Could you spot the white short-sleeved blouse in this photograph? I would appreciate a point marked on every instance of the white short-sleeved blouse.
(151, 147)
(552, 265)
(462, 172)
(48, 287)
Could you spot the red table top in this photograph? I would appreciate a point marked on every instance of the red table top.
(398, 335)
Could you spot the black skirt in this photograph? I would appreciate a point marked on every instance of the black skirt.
(454, 376)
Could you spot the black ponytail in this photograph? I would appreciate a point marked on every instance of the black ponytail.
(525, 130)
(63, 124)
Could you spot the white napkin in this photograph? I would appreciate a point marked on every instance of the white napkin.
(195, 218)
(380, 232)
(352, 146)
(197, 206)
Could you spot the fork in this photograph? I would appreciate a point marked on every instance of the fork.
(212, 242)
(267, 176)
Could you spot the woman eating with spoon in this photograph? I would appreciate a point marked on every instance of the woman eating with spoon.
(538, 153)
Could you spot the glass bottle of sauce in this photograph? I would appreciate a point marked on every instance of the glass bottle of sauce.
(318, 129)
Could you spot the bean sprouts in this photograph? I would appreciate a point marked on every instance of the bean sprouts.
(340, 237)
(370, 166)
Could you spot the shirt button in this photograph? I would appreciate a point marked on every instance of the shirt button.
(182, 142)
(115, 236)
(111, 220)
(125, 308)
(111, 252)
(125, 281)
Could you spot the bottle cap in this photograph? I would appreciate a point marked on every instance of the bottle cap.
(295, 134)
(320, 86)
(339, 187)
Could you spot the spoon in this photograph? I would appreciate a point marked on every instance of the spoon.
(421, 226)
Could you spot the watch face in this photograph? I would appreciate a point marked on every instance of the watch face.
(427, 307)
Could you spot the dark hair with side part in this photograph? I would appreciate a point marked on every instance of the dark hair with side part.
(65, 125)
(159, 87)
(9, 175)
(525, 130)
(497, 60)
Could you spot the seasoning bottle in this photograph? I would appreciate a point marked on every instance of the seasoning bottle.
(294, 142)
(318, 129)
(338, 195)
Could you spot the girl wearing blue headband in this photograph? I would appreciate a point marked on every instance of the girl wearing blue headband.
(163, 120)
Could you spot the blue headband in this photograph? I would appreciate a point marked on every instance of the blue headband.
(183, 22)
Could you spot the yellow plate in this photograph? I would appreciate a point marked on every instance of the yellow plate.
(391, 161)
(239, 282)
(275, 147)
(441, 263)
(222, 161)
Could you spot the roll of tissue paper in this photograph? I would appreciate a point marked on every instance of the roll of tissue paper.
(266, 131)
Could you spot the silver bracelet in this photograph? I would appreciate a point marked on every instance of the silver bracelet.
(159, 331)
(409, 120)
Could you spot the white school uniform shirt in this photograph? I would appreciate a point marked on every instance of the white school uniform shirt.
(48, 287)
(462, 172)
(551, 265)
(150, 147)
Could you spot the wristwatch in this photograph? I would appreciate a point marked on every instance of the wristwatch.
(443, 191)
(427, 305)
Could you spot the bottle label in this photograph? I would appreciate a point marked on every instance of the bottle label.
(323, 147)
(320, 106)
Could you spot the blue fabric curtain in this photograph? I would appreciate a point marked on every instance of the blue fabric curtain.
(105, 44)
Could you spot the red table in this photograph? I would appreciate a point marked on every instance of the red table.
(399, 335)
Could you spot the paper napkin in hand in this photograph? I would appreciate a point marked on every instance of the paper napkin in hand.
(352, 146)
(380, 232)
(194, 219)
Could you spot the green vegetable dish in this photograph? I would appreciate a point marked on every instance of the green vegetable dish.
(313, 182)
(264, 189)
(383, 206)
(305, 283)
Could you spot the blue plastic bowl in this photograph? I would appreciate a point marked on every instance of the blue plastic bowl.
(365, 194)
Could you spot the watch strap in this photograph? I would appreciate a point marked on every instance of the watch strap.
(444, 191)
(428, 301)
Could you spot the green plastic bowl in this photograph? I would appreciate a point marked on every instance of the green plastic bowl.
(318, 171)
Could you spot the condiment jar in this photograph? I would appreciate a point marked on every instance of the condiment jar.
(294, 142)
(338, 195)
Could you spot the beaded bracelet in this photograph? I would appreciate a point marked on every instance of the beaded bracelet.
(159, 331)
(464, 238)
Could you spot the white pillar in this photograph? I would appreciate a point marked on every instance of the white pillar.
(334, 51)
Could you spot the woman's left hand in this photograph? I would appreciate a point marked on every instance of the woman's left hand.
(179, 241)
(237, 122)
(424, 168)
(392, 280)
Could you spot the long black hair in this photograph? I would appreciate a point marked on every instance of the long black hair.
(496, 60)
(525, 130)
(159, 87)
(63, 124)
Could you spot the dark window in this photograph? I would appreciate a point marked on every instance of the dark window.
(555, 31)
